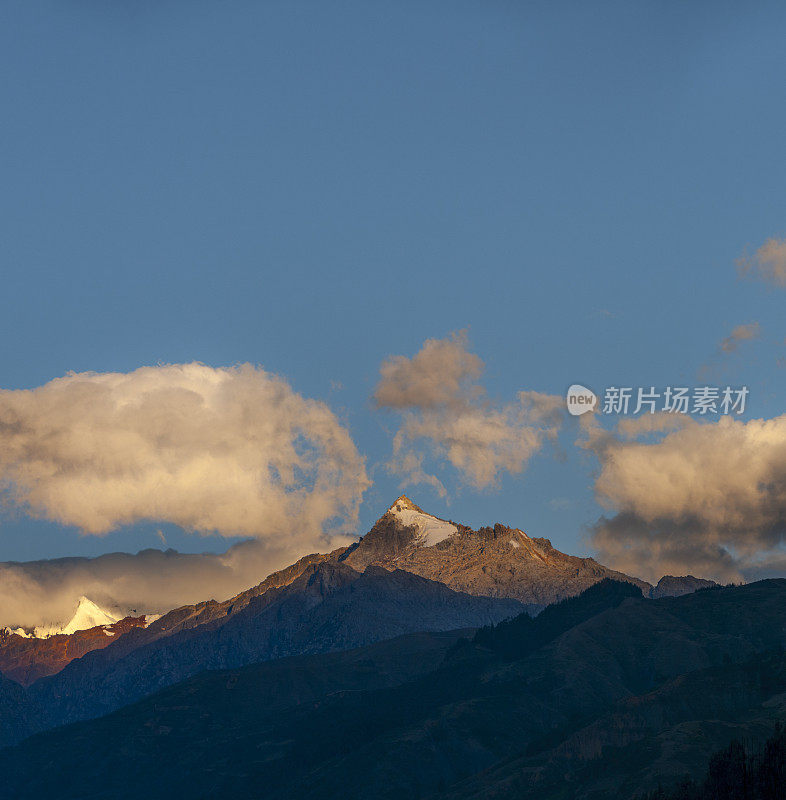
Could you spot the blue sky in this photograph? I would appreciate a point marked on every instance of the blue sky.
(313, 187)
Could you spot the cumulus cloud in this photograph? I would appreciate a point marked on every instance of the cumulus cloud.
(229, 450)
(706, 498)
(741, 333)
(441, 373)
(635, 427)
(768, 263)
(445, 416)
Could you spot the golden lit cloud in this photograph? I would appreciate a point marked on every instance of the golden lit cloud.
(231, 450)
(707, 498)
(446, 417)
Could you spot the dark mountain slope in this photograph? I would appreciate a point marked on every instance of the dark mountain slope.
(671, 586)
(517, 637)
(645, 740)
(18, 714)
(737, 772)
(328, 607)
(108, 757)
(629, 675)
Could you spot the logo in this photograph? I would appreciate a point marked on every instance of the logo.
(580, 400)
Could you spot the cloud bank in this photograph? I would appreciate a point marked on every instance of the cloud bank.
(445, 416)
(706, 498)
(152, 581)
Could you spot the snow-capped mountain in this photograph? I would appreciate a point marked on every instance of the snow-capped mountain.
(26, 655)
(493, 561)
(87, 615)
(499, 562)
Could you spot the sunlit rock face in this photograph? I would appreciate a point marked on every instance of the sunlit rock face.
(25, 658)
(493, 561)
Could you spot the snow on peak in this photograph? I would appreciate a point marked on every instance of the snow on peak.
(88, 615)
(431, 530)
(18, 631)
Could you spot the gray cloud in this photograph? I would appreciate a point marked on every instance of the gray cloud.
(706, 498)
(741, 333)
(445, 416)
(768, 263)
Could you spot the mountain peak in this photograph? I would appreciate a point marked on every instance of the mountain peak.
(87, 615)
(403, 503)
(429, 530)
(491, 561)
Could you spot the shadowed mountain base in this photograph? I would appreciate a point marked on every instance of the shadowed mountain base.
(605, 691)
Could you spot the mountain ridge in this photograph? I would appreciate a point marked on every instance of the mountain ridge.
(589, 714)
(328, 606)
(496, 561)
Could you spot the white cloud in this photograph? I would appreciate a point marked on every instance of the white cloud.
(442, 372)
(446, 417)
(706, 498)
(231, 450)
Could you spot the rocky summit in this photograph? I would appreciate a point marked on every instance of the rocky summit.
(496, 561)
